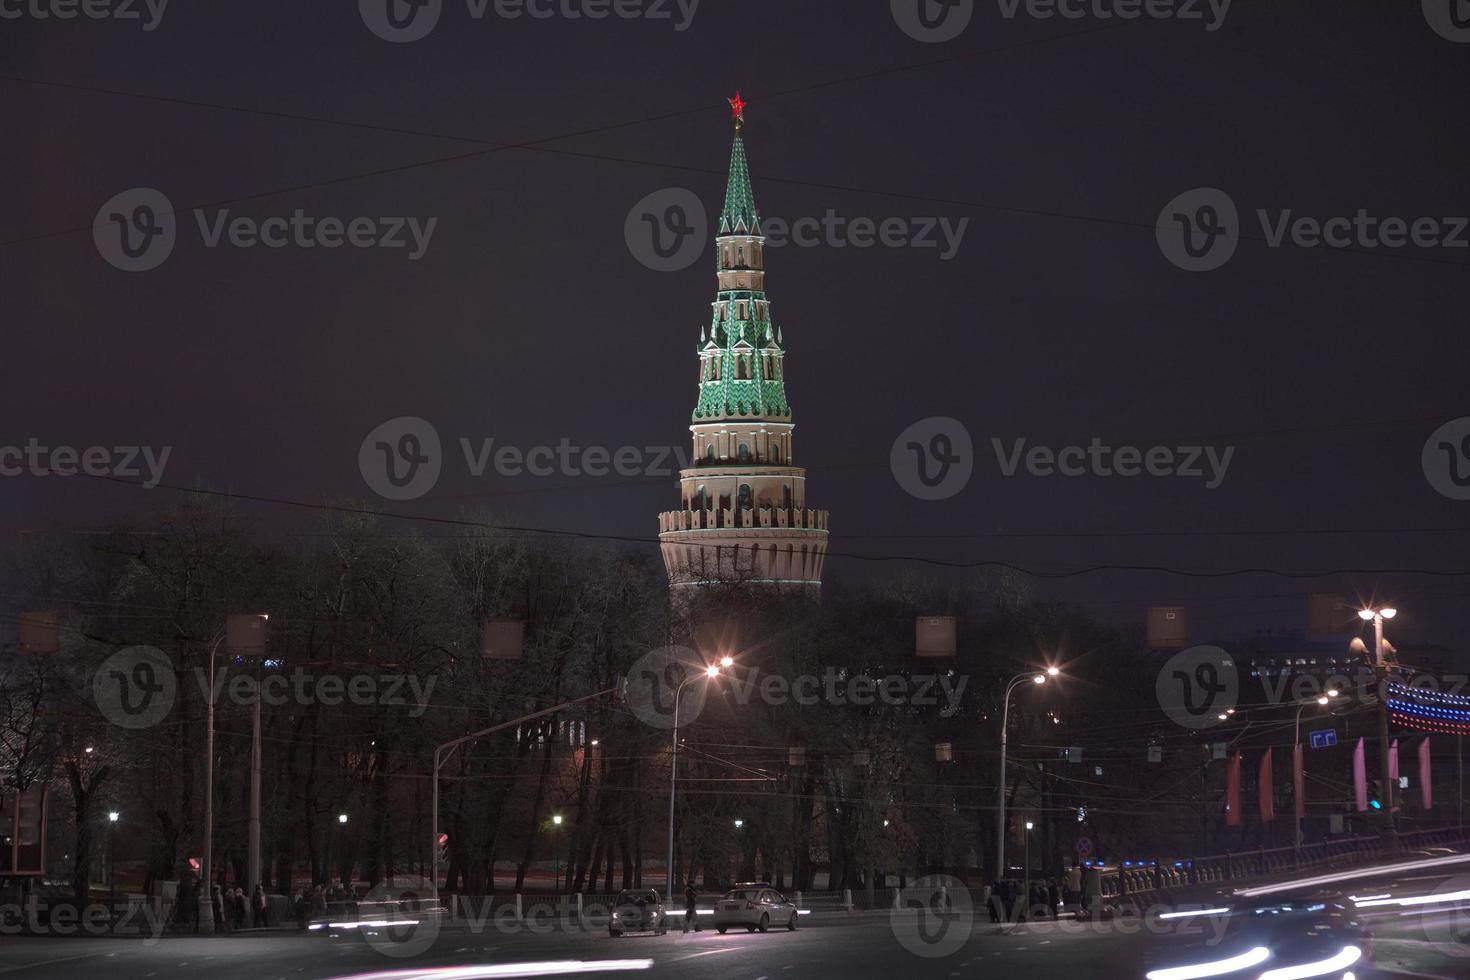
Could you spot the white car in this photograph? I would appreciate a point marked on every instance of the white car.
(754, 906)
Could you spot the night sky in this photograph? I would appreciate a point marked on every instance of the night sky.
(529, 319)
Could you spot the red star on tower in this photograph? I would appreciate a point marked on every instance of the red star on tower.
(737, 109)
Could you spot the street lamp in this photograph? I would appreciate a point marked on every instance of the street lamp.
(710, 672)
(1297, 760)
(1000, 789)
(111, 868)
(1026, 872)
(739, 823)
(555, 823)
(1376, 617)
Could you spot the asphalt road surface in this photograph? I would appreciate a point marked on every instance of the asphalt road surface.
(1435, 943)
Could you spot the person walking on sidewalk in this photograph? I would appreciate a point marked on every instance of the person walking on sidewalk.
(260, 907)
(691, 906)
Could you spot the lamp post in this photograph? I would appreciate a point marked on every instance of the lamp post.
(1380, 668)
(1026, 874)
(556, 825)
(1000, 789)
(1297, 758)
(111, 869)
(709, 673)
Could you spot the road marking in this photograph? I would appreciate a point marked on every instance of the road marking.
(63, 959)
(708, 952)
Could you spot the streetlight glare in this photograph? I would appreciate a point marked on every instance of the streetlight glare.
(556, 819)
(727, 661)
(341, 818)
(1365, 614)
(112, 816)
(1039, 679)
(1390, 613)
(1322, 700)
(1053, 671)
(712, 670)
(1030, 825)
(1333, 693)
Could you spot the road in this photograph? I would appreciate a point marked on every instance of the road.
(835, 945)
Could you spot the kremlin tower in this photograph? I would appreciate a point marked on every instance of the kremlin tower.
(743, 514)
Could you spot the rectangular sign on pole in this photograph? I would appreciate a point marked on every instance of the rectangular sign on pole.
(1324, 739)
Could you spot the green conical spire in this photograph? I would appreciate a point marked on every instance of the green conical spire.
(740, 215)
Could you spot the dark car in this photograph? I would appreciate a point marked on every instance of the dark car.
(637, 910)
(1284, 936)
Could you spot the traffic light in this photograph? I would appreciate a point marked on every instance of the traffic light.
(1376, 796)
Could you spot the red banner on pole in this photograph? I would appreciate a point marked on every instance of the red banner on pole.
(1266, 789)
(1426, 783)
(1360, 778)
(1393, 763)
(1232, 792)
(1299, 781)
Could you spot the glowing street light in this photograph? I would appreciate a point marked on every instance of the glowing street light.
(710, 673)
(341, 818)
(1380, 667)
(1000, 790)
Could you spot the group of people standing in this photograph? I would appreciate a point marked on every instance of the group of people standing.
(231, 907)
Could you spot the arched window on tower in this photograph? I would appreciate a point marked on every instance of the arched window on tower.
(785, 495)
(709, 453)
(776, 453)
(744, 496)
(744, 452)
(701, 499)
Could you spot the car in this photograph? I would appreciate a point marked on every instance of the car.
(1306, 934)
(638, 910)
(755, 905)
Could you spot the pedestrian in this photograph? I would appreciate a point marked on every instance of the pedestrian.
(301, 908)
(318, 903)
(240, 907)
(994, 902)
(260, 906)
(217, 902)
(691, 906)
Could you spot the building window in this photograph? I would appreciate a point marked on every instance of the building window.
(744, 453)
(744, 496)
